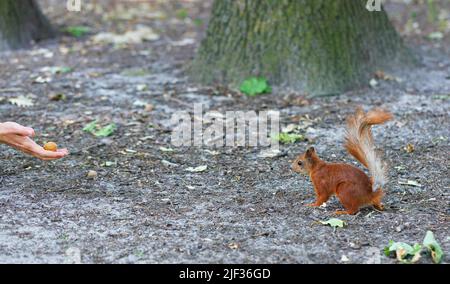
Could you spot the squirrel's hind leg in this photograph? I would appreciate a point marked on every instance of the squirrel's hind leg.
(347, 193)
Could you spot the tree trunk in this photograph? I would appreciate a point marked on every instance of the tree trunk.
(322, 46)
(21, 22)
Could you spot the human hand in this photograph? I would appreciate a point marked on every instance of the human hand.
(19, 137)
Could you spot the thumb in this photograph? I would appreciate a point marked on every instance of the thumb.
(31, 132)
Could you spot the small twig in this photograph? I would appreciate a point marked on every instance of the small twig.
(319, 95)
(180, 102)
(356, 215)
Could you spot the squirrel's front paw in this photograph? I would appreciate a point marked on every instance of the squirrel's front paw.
(379, 207)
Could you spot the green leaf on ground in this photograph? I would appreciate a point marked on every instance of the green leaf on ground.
(182, 14)
(90, 127)
(77, 31)
(57, 69)
(62, 70)
(288, 138)
(198, 22)
(255, 86)
(95, 129)
(432, 245)
(106, 131)
(404, 252)
(387, 251)
(334, 222)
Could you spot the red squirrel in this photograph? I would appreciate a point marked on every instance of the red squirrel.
(351, 185)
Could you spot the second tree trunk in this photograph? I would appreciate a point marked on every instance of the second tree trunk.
(21, 22)
(317, 45)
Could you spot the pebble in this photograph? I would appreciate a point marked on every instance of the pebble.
(402, 227)
(92, 175)
(344, 258)
(354, 245)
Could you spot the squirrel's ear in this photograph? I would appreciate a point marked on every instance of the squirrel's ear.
(310, 155)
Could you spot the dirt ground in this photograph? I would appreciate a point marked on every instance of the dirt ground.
(144, 207)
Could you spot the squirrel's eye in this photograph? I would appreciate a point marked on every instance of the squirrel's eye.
(300, 163)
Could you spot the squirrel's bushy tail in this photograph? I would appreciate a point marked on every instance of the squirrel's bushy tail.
(359, 143)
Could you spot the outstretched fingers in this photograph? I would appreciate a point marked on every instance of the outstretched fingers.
(48, 155)
(40, 153)
(28, 146)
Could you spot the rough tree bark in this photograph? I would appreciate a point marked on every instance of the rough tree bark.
(21, 22)
(322, 46)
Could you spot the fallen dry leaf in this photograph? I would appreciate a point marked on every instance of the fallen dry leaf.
(409, 148)
(197, 169)
(22, 101)
(42, 80)
(141, 34)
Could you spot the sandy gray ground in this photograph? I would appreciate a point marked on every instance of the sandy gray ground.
(242, 208)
